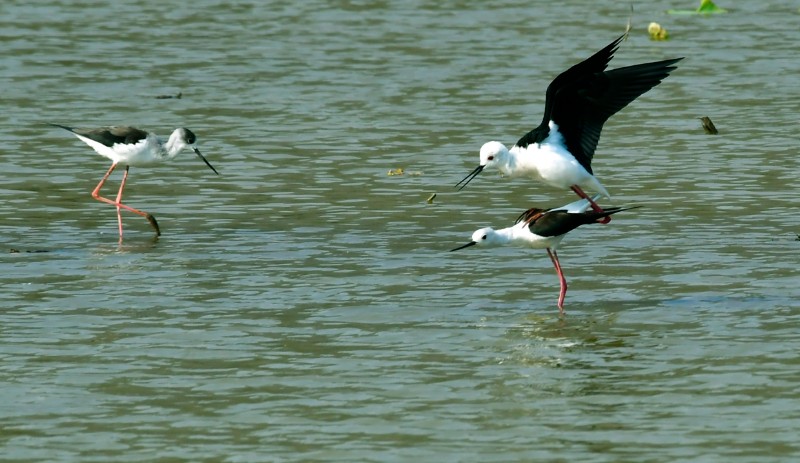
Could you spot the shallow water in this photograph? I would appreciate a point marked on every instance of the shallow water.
(303, 305)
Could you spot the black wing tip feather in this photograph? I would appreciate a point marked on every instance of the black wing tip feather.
(609, 211)
(598, 62)
(654, 70)
(616, 43)
(61, 126)
(666, 66)
(608, 51)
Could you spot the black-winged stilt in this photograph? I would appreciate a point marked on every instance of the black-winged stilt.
(133, 147)
(544, 229)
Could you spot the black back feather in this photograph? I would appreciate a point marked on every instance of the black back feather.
(110, 136)
(558, 222)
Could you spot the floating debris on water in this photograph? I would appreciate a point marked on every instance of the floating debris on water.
(401, 171)
(30, 251)
(657, 32)
(431, 198)
(708, 126)
(629, 26)
(166, 97)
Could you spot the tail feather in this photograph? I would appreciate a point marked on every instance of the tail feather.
(593, 216)
(580, 205)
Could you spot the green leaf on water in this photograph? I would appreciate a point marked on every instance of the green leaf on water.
(706, 7)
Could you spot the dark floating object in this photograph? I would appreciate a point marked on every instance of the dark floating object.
(166, 97)
(17, 251)
(708, 126)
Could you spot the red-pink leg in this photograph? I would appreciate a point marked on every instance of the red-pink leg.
(119, 200)
(579, 191)
(118, 204)
(563, 281)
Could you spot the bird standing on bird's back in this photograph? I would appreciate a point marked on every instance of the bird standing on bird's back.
(133, 147)
(578, 102)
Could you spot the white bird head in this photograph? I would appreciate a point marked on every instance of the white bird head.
(184, 138)
(492, 153)
(485, 237)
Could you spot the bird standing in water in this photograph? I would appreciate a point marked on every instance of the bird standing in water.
(133, 147)
(544, 229)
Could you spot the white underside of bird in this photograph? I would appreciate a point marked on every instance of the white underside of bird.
(145, 152)
(548, 162)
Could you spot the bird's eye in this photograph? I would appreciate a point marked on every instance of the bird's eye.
(491, 158)
(483, 237)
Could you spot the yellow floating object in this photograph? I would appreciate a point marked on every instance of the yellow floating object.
(657, 32)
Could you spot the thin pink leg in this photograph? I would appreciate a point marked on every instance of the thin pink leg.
(578, 191)
(118, 204)
(119, 200)
(563, 293)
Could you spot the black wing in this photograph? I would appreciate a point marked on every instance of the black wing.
(109, 136)
(581, 109)
(581, 100)
(593, 65)
(556, 223)
(530, 215)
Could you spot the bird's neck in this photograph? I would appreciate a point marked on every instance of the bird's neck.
(506, 162)
(173, 146)
(501, 237)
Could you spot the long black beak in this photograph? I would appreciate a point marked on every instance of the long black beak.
(197, 152)
(469, 177)
(471, 243)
